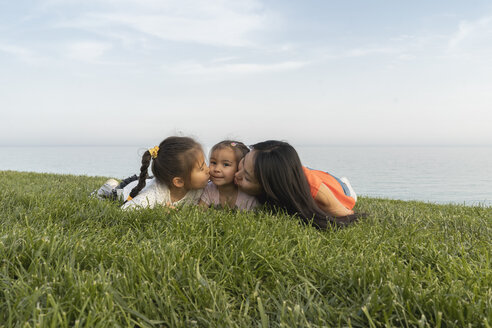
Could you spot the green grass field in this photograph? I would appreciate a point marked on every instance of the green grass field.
(70, 260)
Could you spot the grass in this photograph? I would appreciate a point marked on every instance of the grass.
(67, 260)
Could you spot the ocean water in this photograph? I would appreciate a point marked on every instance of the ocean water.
(460, 175)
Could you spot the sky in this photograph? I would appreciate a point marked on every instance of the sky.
(320, 72)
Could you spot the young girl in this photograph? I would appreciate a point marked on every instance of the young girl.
(221, 191)
(180, 174)
(272, 171)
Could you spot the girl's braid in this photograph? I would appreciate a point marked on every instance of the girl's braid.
(144, 169)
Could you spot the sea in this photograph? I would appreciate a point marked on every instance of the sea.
(443, 175)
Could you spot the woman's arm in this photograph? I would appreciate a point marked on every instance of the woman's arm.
(327, 202)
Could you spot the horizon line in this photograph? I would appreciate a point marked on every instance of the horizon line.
(294, 144)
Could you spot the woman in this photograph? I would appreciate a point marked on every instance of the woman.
(273, 173)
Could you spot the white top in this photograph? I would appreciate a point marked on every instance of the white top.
(155, 193)
(243, 201)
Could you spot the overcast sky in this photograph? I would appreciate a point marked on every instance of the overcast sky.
(131, 72)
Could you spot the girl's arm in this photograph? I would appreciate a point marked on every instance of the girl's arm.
(327, 202)
(206, 197)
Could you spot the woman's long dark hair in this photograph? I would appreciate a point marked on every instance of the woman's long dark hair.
(176, 158)
(279, 171)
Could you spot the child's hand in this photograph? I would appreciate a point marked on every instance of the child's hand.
(170, 206)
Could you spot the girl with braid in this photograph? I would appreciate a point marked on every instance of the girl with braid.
(180, 174)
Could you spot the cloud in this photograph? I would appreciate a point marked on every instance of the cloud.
(14, 50)
(361, 52)
(261, 68)
(87, 51)
(237, 68)
(213, 22)
(407, 57)
(474, 32)
(21, 53)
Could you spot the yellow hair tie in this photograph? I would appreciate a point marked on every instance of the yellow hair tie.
(153, 151)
